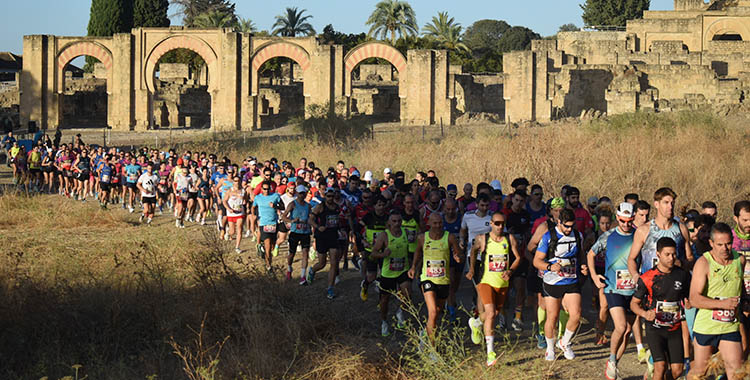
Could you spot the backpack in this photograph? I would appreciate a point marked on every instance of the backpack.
(553, 240)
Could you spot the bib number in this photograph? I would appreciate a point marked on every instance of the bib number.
(624, 280)
(667, 314)
(568, 269)
(724, 316)
(105, 178)
(332, 221)
(435, 268)
(271, 229)
(746, 278)
(411, 236)
(397, 264)
(133, 177)
(498, 263)
(300, 226)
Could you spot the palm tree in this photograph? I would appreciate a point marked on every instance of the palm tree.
(391, 17)
(245, 25)
(213, 19)
(292, 24)
(446, 31)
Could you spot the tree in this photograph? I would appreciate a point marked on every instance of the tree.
(517, 38)
(293, 23)
(483, 35)
(568, 28)
(446, 31)
(107, 18)
(191, 9)
(150, 13)
(612, 12)
(213, 19)
(348, 41)
(392, 17)
(245, 25)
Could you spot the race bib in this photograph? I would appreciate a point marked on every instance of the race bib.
(411, 236)
(624, 280)
(747, 281)
(498, 263)
(133, 177)
(725, 316)
(435, 268)
(332, 221)
(668, 314)
(397, 264)
(271, 229)
(105, 178)
(568, 269)
(299, 226)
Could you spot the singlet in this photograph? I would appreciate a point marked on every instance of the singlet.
(397, 262)
(496, 261)
(566, 254)
(741, 244)
(648, 251)
(724, 281)
(617, 249)
(428, 211)
(35, 160)
(300, 211)
(235, 203)
(411, 225)
(105, 174)
(84, 164)
(374, 225)
(330, 219)
(436, 259)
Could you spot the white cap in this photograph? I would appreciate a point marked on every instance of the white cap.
(496, 185)
(252, 162)
(368, 176)
(625, 210)
(301, 189)
(387, 171)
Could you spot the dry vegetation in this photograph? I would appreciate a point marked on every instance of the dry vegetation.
(84, 286)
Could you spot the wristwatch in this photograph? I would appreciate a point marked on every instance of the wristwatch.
(549, 266)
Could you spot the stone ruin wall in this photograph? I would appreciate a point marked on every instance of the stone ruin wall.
(181, 98)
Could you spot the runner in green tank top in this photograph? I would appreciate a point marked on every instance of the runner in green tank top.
(433, 256)
(493, 276)
(392, 248)
(716, 290)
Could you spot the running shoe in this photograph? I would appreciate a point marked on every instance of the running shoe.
(131, 210)
(541, 342)
(275, 251)
(642, 355)
(302, 281)
(516, 325)
(331, 295)
(501, 322)
(355, 263)
(237, 251)
(140, 219)
(384, 331)
(363, 291)
(400, 318)
(337, 280)
(611, 371)
(310, 275)
(475, 324)
(177, 223)
(313, 254)
(549, 355)
(247, 233)
(288, 275)
(491, 358)
(567, 351)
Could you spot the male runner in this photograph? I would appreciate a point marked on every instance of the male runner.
(266, 205)
(518, 224)
(741, 244)
(297, 214)
(147, 185)
(392, 248)
(324, 219)
(373, 224)
(452, 223)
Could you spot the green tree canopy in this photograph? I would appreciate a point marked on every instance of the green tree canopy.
(293, 23)
(214, 19)
(517, 38)
(109, 17)
(445, 31)
(568, 28)
(392, 17)
(245, 25)
(483, 35)
(612, 12)
(349, 41)
(191, 9)
(150, 13)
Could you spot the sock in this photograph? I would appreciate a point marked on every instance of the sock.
(613, 358)
(640, 347)
(519, 310)
(276, 247)
(563, 321)
(541, 319)
(550, 344)
(567, 337)
(490, 340)
(303, 272)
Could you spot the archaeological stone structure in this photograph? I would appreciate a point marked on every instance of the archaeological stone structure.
(697, 55)
(239, 99)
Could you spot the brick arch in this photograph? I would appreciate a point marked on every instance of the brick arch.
(281, 49)
(194, 44)
(724, 26)
(375, 50)
(77, 49)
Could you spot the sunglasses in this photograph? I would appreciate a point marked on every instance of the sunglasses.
(265, 188)
(537, 194)
(498, 222)
(569, 226)
(621, 220)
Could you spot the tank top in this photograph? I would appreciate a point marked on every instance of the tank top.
(84, 163)
(496, 261)
(428, 211)
(235, 203)
(300, 211)
(648, 251)
(724, 281)
(106, 174)
(741, 244)
(436, 259)
(35, 159)
(411, 225)
(330, 219)
(397, 262)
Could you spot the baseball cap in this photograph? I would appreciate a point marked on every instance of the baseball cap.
(451, 187)
(592, 200)
(387, 171)
(368, 176)
(354, 172)
(179, 161)
(330, 190)
(557, 202)
(496, 185)
(625, 210)
(252, 162)
(301, 189)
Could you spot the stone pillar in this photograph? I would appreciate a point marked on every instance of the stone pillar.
(247, 109)
(542, 101)
(142, 115)
(120, 110)
(441, 91)
(519, 71)
(36, 89)
(225, 106)
(426, 88)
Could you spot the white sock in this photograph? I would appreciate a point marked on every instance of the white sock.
(567, 337)
(640, 346)
(303, 272)
(550, 344)
(490, 340)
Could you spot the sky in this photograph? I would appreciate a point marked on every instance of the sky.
(70, 17)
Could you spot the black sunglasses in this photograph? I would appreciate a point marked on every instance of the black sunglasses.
(498, 222)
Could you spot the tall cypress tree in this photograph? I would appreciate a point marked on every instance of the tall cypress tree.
(107, 18)
(613, 12)
(150, 13)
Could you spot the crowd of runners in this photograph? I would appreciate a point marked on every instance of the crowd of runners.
(677, 284)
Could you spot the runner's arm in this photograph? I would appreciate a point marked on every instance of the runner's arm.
(417, 256)
(287, 212)
(689, 255)
(379, 249)
(516, 254)
(592, 269)
(636, 307)
(456, 249)
(535, 239)
(478, 244)
(699, 282)
(639, 237)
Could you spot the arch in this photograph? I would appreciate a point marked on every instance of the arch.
(726, 26)
(375, 50)
(194, 44)
(77, 49)
(281, 49)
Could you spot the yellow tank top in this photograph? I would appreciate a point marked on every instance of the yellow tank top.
(436, 259)
(496, 262)
(724, 281)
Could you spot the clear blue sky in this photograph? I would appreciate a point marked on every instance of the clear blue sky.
(70, 17)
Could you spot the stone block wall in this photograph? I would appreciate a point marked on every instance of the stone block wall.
(169, 71)
(375, 72)
(480, 94)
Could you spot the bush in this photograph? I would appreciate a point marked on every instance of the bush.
(330, 126)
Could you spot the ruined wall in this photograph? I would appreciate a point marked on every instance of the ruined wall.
(84, 102)
(480, 94)
(378, 99)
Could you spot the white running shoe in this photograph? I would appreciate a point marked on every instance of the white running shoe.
(177, 223)
(550, 355)
(567, 351)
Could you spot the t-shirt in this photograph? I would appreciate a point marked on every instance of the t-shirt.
(566, 254)
(664, 293)
(148, 182)
(131, 173)
(517, 224)
(583, 219)
(287, 199)
(615, 247)
(267, 214)
(534, 215)
(475, 225)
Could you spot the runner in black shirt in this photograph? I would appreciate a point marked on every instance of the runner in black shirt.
(518, 223)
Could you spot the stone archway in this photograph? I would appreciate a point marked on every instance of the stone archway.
(191, 43)
(726, 26)
(77, 49)
(374, 50)
(278, 49)
(83, 102)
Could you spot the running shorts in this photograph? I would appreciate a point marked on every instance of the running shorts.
(441, 291)
(558, 291)
(490, 294)
(297, 239)
(392, 284)
(665, 345)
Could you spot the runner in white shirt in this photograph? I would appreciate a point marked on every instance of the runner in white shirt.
(147, 185)
(182, 184)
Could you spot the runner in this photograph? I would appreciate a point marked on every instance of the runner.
(131, 172)
(475, 223)
(105, 181)
(741, 244)
(518, 224)
(182, 184)
(147, 185)
(392, 248)
(660, 298)
(373, 224)
(452, 224)
(433, 248)
(716, 290)
(265, 205)
(234, 203)
(493, 271)
(297, 214)
(82, 167)
(204, 195)
(614, 281)
(324, 219)
(560, 259)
